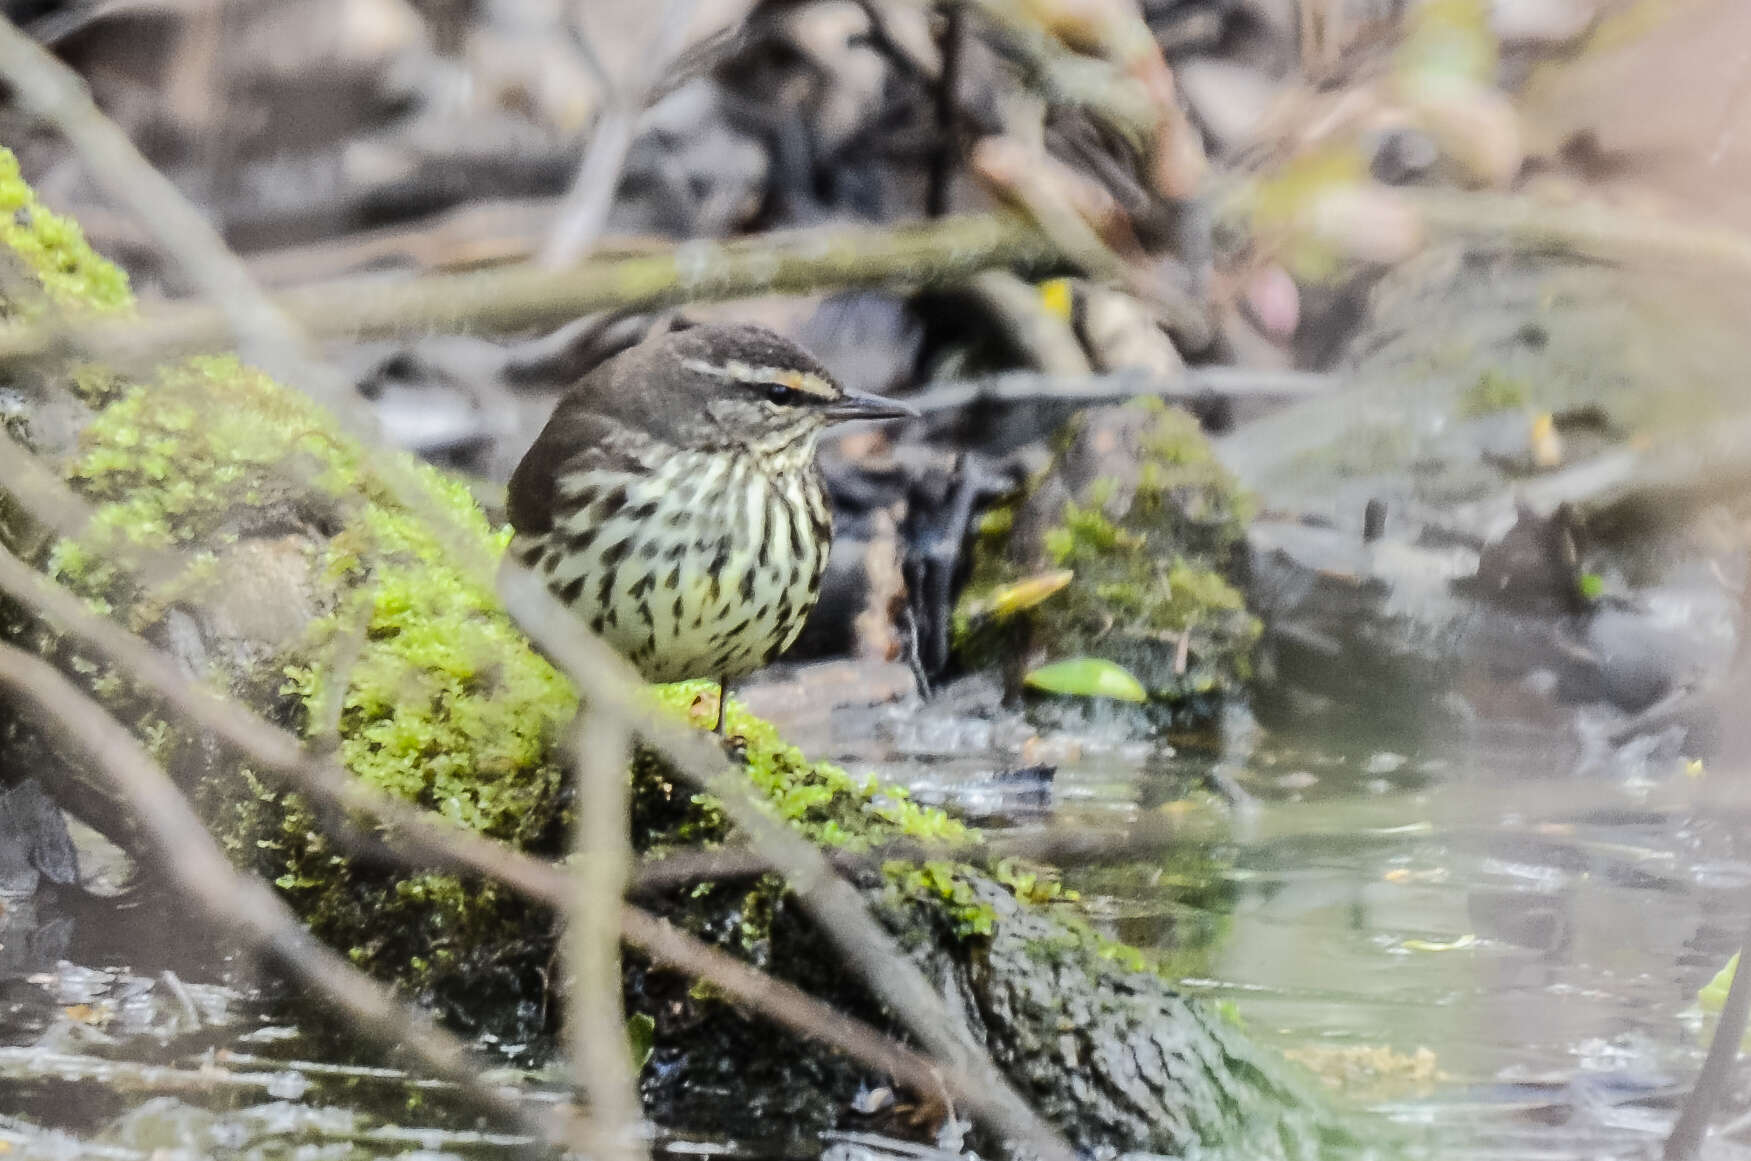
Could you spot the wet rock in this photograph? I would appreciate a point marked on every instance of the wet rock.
(1352, 628)
(34, 843)
(1535, 566)
(34, 936)
(1162, 1090)
(808, 702)
(1136, 507)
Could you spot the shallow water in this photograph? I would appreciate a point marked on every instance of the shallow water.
(1493, 938)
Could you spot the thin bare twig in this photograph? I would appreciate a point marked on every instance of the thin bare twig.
(1044, 337)
(945, 150)
(1589, 228)
(789, 1005)
(595, 1018)
(1058, 846)
(584, 213)
(1066, 78)
(1187, 386)
(238, 903)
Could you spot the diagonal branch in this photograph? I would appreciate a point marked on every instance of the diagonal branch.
(1691, 1129)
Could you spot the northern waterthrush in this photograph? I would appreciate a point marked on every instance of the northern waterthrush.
(674, 503)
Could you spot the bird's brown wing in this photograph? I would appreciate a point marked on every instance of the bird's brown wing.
(581, 435)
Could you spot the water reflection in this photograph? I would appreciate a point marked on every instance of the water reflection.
(1542, 932)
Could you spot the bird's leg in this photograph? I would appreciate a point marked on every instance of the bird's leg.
(737, 747)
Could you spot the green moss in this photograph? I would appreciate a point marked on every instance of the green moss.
(821, 800)
(444, 704)
(53, 249)
(836, 809)
(436, 695)
(1137, 506)
(1086, 536)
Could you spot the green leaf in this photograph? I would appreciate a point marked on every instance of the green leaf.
(1591, 585)
(1008, 600)
(1713, 996)
(641, 1035)
(1088, 677)
(1714, 993)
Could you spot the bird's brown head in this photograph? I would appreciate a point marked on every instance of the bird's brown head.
(739, 390)
(733, 387)
(751, 387)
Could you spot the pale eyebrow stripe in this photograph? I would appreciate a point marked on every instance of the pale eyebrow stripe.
(739, 372)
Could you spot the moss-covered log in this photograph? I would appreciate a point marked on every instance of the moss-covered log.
(300, 587)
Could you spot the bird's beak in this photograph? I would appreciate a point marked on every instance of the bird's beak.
(853, 405)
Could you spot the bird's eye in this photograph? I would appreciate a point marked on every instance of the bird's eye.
(780, 394)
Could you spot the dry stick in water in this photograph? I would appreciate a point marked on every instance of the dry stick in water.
(595, 1021)
(423, 835)
(239, 903)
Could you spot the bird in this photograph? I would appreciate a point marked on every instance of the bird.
(674, 503)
